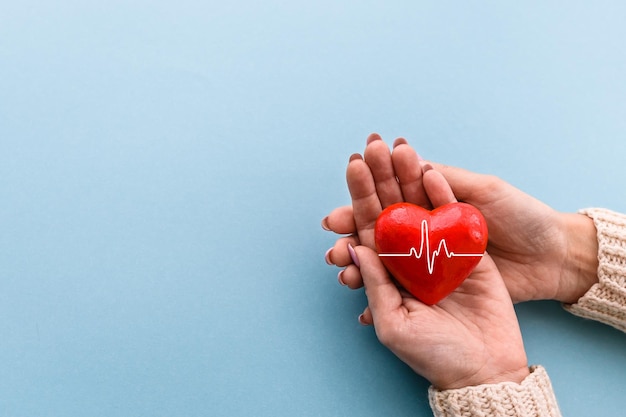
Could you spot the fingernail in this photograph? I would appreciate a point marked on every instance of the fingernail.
(362, 320)
(373, 137)
(400, 141)
(352, 253)
(325, 224)
(327, 256)
(340, 278)
(427, 167)
(355, 156)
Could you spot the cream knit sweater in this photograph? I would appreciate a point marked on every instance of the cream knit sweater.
(604, 302)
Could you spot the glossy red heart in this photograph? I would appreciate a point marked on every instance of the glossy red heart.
(430, 253)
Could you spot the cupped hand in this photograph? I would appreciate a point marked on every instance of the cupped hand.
(541, 253)
(470, 338)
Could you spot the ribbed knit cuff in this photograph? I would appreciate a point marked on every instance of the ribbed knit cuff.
(533, 397)
(606, 300)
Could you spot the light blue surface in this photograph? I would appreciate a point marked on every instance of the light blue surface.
(164, 167)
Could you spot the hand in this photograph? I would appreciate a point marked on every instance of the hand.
(541, 253)
(470, 338)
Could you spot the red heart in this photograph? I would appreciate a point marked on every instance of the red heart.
(430, 253)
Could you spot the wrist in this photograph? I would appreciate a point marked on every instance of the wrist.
(516, 376)
(580, 265)
(494, 376)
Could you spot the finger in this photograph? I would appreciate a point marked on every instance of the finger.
(351, 277)
(340, 221)
(378, 158)
(383, 296)
(366, 318)
(409, 172)
(338, 254)
(437, 188)
(365, 203)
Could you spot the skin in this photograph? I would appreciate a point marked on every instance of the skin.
(541, 253)
(471, 337)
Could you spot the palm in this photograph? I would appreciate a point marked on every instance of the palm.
(477, 311)
(525, 250)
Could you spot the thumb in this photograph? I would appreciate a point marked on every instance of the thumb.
(437, 188)
(382, 294)
(464, 183)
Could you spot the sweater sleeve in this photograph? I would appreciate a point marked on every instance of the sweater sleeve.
(534, 397)
(606, 300)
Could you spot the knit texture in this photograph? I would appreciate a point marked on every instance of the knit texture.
(532, 398)
(605, 300)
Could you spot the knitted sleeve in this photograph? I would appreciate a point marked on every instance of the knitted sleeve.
(606, 300)
(532, 398)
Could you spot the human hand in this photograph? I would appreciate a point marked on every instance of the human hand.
(469, 338)
(541, 253)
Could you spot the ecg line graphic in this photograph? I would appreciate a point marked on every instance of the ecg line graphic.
(425, 247)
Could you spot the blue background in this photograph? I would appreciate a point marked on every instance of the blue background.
(164, 167)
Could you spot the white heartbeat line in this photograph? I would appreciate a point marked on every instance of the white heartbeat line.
(431, 257)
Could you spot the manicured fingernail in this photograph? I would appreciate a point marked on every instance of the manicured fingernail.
(362, 320)
(373, 137)
(340, 278)
(352, 253)
(327, 256)
(325, 224)
(355, 156)
(399, 141)
(402, 141)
